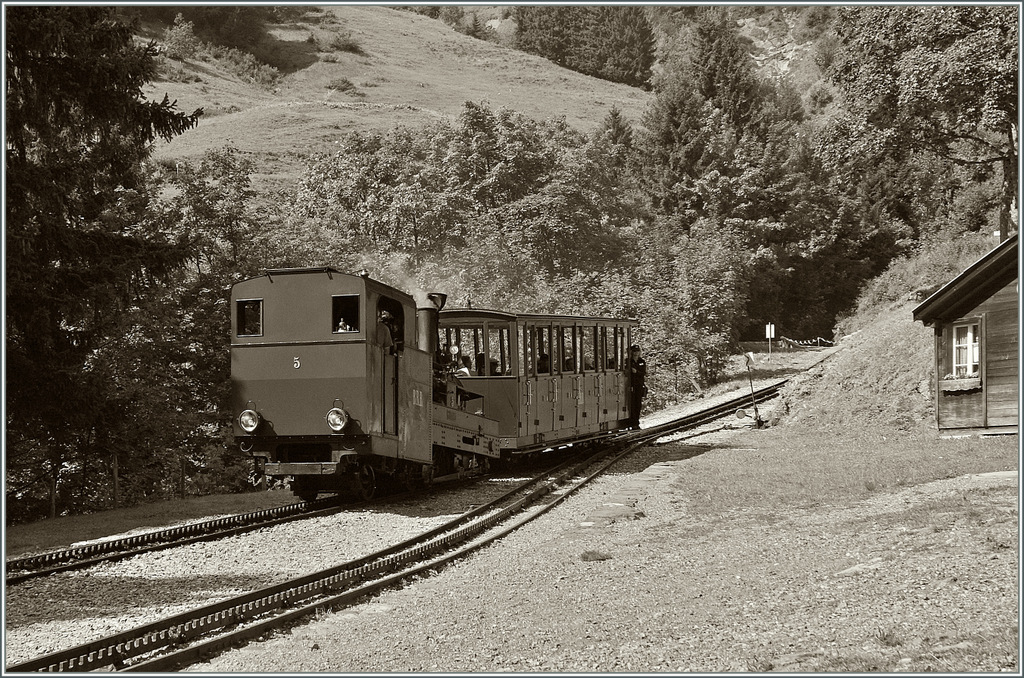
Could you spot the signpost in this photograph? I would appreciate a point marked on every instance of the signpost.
(769, 333)
(757, 415)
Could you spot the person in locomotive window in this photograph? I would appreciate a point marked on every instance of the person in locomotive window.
(251, 322)
(465, 370)
(637, 388)
(481, 365)
(385, 333)
(343, 326)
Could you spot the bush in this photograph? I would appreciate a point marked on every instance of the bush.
(344, 42)
(246, 66)
(338, 42)
(343, 85)
(452, 15)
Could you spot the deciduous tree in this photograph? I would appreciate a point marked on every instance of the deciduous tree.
(940, 79)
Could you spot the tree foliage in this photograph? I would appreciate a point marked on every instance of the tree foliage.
(940, 79)
(82, 238)
(613, 43)
(492, 177)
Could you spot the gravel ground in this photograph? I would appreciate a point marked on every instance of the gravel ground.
(619, 578)
(63, 610)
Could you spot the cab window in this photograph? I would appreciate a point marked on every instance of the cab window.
(587, 335)
(567, 349)
(345, 313)
(620, 349)
(527, 367)
(544, 350)
(249, 318)
(390, 322)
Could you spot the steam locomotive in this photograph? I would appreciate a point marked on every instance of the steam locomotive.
(346, 385)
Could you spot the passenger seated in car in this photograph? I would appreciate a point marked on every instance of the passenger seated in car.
(543, 364)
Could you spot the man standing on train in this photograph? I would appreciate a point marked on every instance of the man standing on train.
(637, 389)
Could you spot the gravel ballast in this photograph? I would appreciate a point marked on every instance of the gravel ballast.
(621, 579)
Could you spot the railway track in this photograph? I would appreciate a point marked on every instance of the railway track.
(187, 638)
(21, 569)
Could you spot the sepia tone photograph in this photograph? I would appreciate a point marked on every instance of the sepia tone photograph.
(546, 339)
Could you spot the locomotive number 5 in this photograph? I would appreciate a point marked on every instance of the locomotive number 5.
(295, 362)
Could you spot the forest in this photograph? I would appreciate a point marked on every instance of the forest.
(738, 199)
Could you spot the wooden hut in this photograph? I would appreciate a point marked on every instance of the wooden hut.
(975, 317)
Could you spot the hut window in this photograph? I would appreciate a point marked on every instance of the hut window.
(965, 350)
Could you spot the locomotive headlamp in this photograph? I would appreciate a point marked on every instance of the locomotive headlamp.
(249, 420)
(337, 419)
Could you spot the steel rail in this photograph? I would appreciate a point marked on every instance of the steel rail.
(116, 649)
(712, 413)
(270, 607)
(125, 547)
(21, 569)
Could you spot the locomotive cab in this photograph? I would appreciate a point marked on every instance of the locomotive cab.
(328, 382)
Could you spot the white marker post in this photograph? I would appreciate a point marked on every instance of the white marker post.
(769, 334)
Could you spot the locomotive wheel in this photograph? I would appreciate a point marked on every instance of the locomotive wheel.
(367, 482)
(304, 490)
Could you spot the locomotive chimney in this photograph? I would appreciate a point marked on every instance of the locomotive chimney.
(426, 321)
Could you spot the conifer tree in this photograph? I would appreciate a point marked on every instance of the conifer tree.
(613, 43)
(624, 44)
(722, 69)
(77, 232)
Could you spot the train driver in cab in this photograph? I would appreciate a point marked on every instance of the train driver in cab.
(385, 333)
(637, 388)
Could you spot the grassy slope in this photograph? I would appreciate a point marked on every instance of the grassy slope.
(413, 70)
(881, 381)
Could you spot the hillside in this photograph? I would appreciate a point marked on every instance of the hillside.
(880, 380)
(408, 70)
